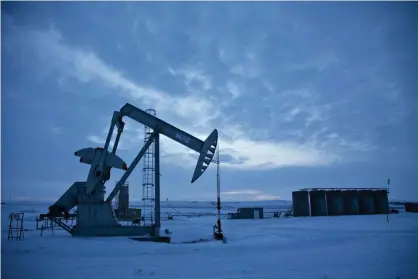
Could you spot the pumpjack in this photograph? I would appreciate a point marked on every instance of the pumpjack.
(95, 214)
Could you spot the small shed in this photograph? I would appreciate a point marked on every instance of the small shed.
(250, 213)
(411, 207)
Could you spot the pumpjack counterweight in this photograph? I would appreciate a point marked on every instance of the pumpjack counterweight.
(95, 216)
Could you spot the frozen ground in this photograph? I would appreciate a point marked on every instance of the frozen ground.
(319, 247)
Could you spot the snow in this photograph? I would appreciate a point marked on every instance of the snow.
(317, 247)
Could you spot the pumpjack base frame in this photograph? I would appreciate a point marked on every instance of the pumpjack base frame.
(163, 239)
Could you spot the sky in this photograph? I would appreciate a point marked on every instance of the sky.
(303, 94)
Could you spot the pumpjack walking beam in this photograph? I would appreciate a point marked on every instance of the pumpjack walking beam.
(206, 148)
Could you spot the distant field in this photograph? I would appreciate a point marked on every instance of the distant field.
(346, 247)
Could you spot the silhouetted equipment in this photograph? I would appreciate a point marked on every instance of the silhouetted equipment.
(121, 201)
(121, 205)
(277, 214)
(148, 176)
(16, 226)
(393, 211)
(247, 213)
(411, 207)
(95, 214)
(318, 201)
(340, 201)
(217, 228)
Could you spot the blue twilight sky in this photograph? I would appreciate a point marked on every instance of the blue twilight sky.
(304, 94)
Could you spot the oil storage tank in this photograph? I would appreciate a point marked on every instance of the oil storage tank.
(366, 199)
(351, 202)
(340, 201)
(300, 203)
(318, 203)
(381, 202)
(335, 201)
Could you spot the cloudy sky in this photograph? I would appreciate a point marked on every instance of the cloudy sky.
(303, 94)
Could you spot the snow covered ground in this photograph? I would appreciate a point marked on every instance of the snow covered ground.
(318, 247)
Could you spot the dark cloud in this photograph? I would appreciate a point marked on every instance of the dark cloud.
(348, 68)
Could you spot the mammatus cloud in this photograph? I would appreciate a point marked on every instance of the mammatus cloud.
(195, 111)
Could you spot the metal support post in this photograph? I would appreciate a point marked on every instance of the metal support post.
(157, 183)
